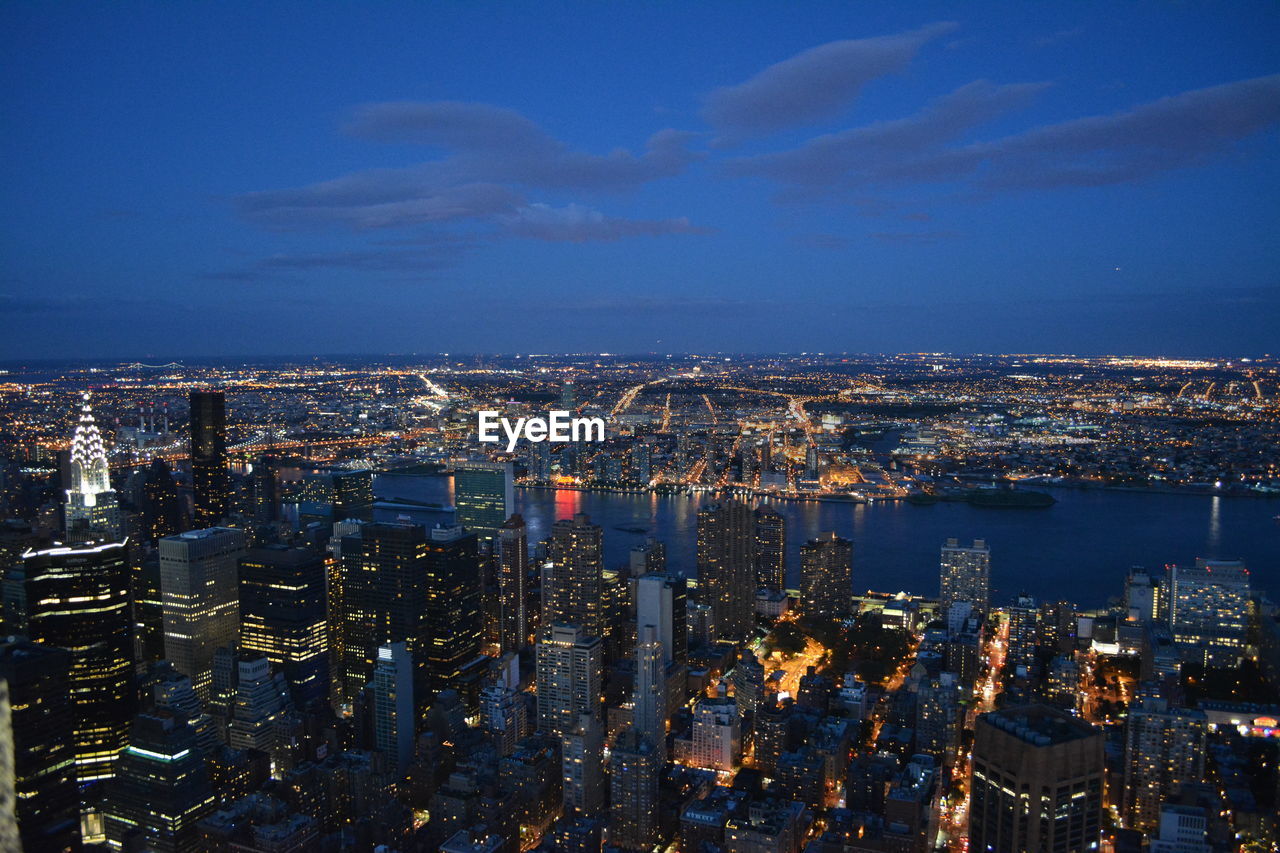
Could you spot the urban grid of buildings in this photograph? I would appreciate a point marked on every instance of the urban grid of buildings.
(213, 643)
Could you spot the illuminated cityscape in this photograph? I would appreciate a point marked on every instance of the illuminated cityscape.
(640, 428)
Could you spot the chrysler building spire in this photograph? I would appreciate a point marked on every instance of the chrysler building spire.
(90, 498)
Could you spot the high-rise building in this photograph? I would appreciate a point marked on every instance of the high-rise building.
(634, 771)
(1024, 634)
(1037, 782)
(78, 600)
(261, 698)
(283, 616)
(771, 548)
(209, 457)
(200, 593)
(1164, 749)
(162, 511)
(1209, 611)
(662, 601)
(1142, 597)
(393, 715)
(826, 577)
(513, 575)
(650, 703)
(341, 693)
(649, 557)
(266, 490)
(573, 580)
(726, 567)
(451, 615)
(717, 734)
(483, 493)
(384, 572)
(582, 767)
(570, 674)
(352, 494)
(503, 716)
(37, 728)
(161, 791)
(965, 575)
(939, 716)
(92, 508)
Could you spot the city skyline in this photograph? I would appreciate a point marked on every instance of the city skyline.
(261, 182)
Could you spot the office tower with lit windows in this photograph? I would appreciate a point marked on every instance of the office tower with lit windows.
(513, 576)
(1164, 749)
(200, 593)
(1142, 597)
(716, 735)
(92, 509)
(162, 513)
(570, 675)
(939, 716)
(283, 616)
(650, 557)
(393, 716)
(1037, 782)
(826, 577)
(161, 791)
(635, 768)
(573, 580)
(384, 572)
(965, 575)
(771, 548)
(484, 497)
(210, 481)
(582, 767)
(1024, 634)
(261, 697)
(78, 600)
(451, 618)
(266, 490)
(38, 734)
(1209, 611)
(726, 568)
(335, 597)
(503, 716)
(352, 494)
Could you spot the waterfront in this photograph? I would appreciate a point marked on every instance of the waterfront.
(1079, 549)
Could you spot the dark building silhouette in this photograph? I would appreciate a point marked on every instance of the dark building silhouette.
(771, 548)
(513, 576)
(78, 600)
(826, 585)
(726, 567)
(46, 798)
(162, 509)
(161, 791)
(451, 617)
(209, 457)
(283, 616)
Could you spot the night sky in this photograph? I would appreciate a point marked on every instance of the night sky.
(279, 178)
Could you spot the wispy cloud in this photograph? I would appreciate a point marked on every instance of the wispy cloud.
(816, 84)
(575, 223)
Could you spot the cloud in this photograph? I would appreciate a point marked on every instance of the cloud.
(916, 238)
(378, 199)
(878, 150)
(831, 242)
(1173, 132)
(813, 85)
(575, 223)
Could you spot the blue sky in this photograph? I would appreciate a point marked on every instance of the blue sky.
(237, 179)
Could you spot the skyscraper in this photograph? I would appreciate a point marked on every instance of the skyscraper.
(771, 548)
(352, 494)
(1209, 611)
(661, 601)
(650, 703)
(200, 590)
(39, 735)
(570, 674)
(965, 575)
(393, 716)
(209, 456)
(582, 767)
(283, 616)
(726, 567)
(384, 571)
(451, 618)
(573, 581)
(78, 600)
(162, 513)
(1164, 749)
(92, 508)
(634, 771)
(1037, 782)
(162, 789)
(484, 496)
(513, 574)
(826, 579)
